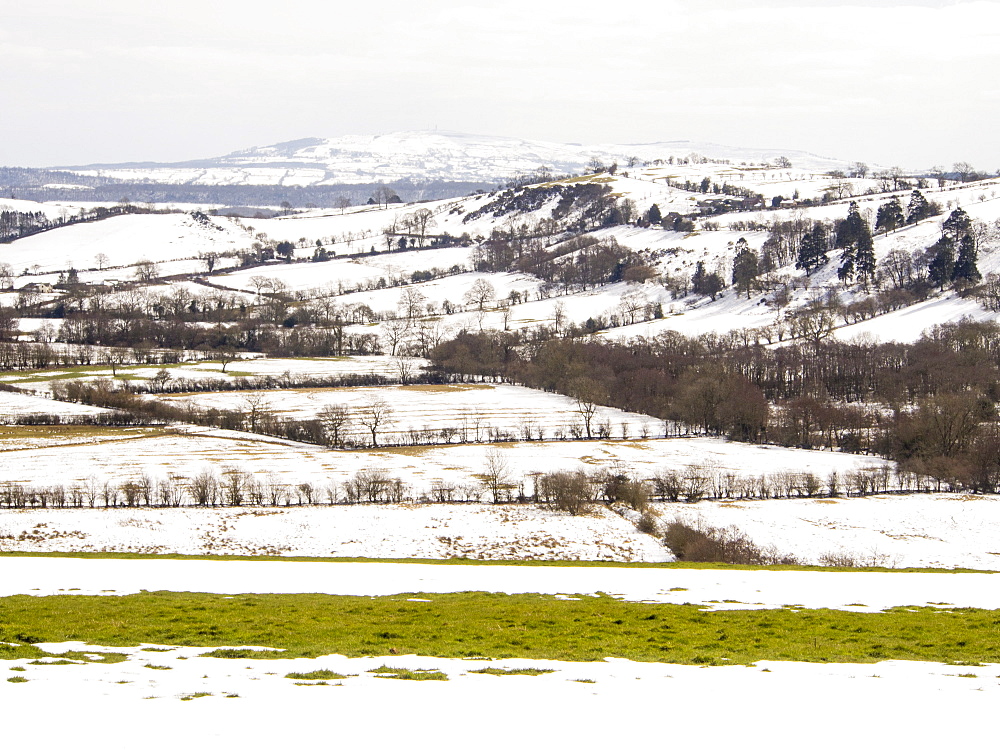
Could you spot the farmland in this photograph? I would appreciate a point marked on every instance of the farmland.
(517, 428)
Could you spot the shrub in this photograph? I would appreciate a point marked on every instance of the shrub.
(705, 544)
(619, 488)
(572, 492)
(649, 522)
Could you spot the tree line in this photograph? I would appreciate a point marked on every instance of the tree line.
(571, 492)
(930, 405)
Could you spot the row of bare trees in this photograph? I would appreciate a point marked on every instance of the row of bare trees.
(573, 492)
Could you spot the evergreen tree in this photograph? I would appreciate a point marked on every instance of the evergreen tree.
(956, 225)
(890, 216)
(864, 259)
(812, 250)
(942, 264)
(845, 272)
(704, 283)
(853, 229)
(855, 237)
(966, 270)
(698, 278)
(653, 215)
(918, 208)
(746, 268)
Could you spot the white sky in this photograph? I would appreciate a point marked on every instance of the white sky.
(911, 82)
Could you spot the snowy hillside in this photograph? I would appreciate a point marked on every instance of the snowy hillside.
(426, 155)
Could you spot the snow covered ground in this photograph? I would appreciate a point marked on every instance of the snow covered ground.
(174, 696)
(251, 705)
(397, 531)
(179, 242)
(470, 409)
(925, 531)
(945, 530)
(116, 456)
(12, 404)
(441, 155)
(123, 241)
(245, 366)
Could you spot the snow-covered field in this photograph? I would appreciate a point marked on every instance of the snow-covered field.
(251, 706)
(246, 366)
(174, 696)
(183, 453)
(12, 404)
(397, 531)
(945, 530)
(123, 241)
(472, 410)
(925, 531)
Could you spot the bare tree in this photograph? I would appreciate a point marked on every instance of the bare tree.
(559, 315)
(260, 283)
(209, 258)
(496, 476)
(505, 311)
(375, 415)
(631, 304)
(384, 195)
(404, 367)
(102, 261)
(341, 202)
(146, 270)
(813, 326)
(115, 357)
(479, 293)
(226, 355)
(411, 303)
(422, 219)
(588, 394)
(257, 411)
(234, 485)
(395, 332)
(204, 488)
(964, 170)
(335, 418)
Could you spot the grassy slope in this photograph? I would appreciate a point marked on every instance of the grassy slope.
(475, 624)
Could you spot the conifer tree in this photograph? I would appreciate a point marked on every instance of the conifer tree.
(956, 225)
(966, 269)
(942, 264)
(918, 208)
(746, 267)
(890, 216)
(705, 283)
(845, 272)
(855, 237)
(864, 259)
(812, 250)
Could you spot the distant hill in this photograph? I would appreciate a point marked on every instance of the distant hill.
(425, 156)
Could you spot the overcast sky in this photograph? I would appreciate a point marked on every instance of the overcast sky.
(909, 83)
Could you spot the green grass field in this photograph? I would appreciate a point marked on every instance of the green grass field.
(475, 624)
